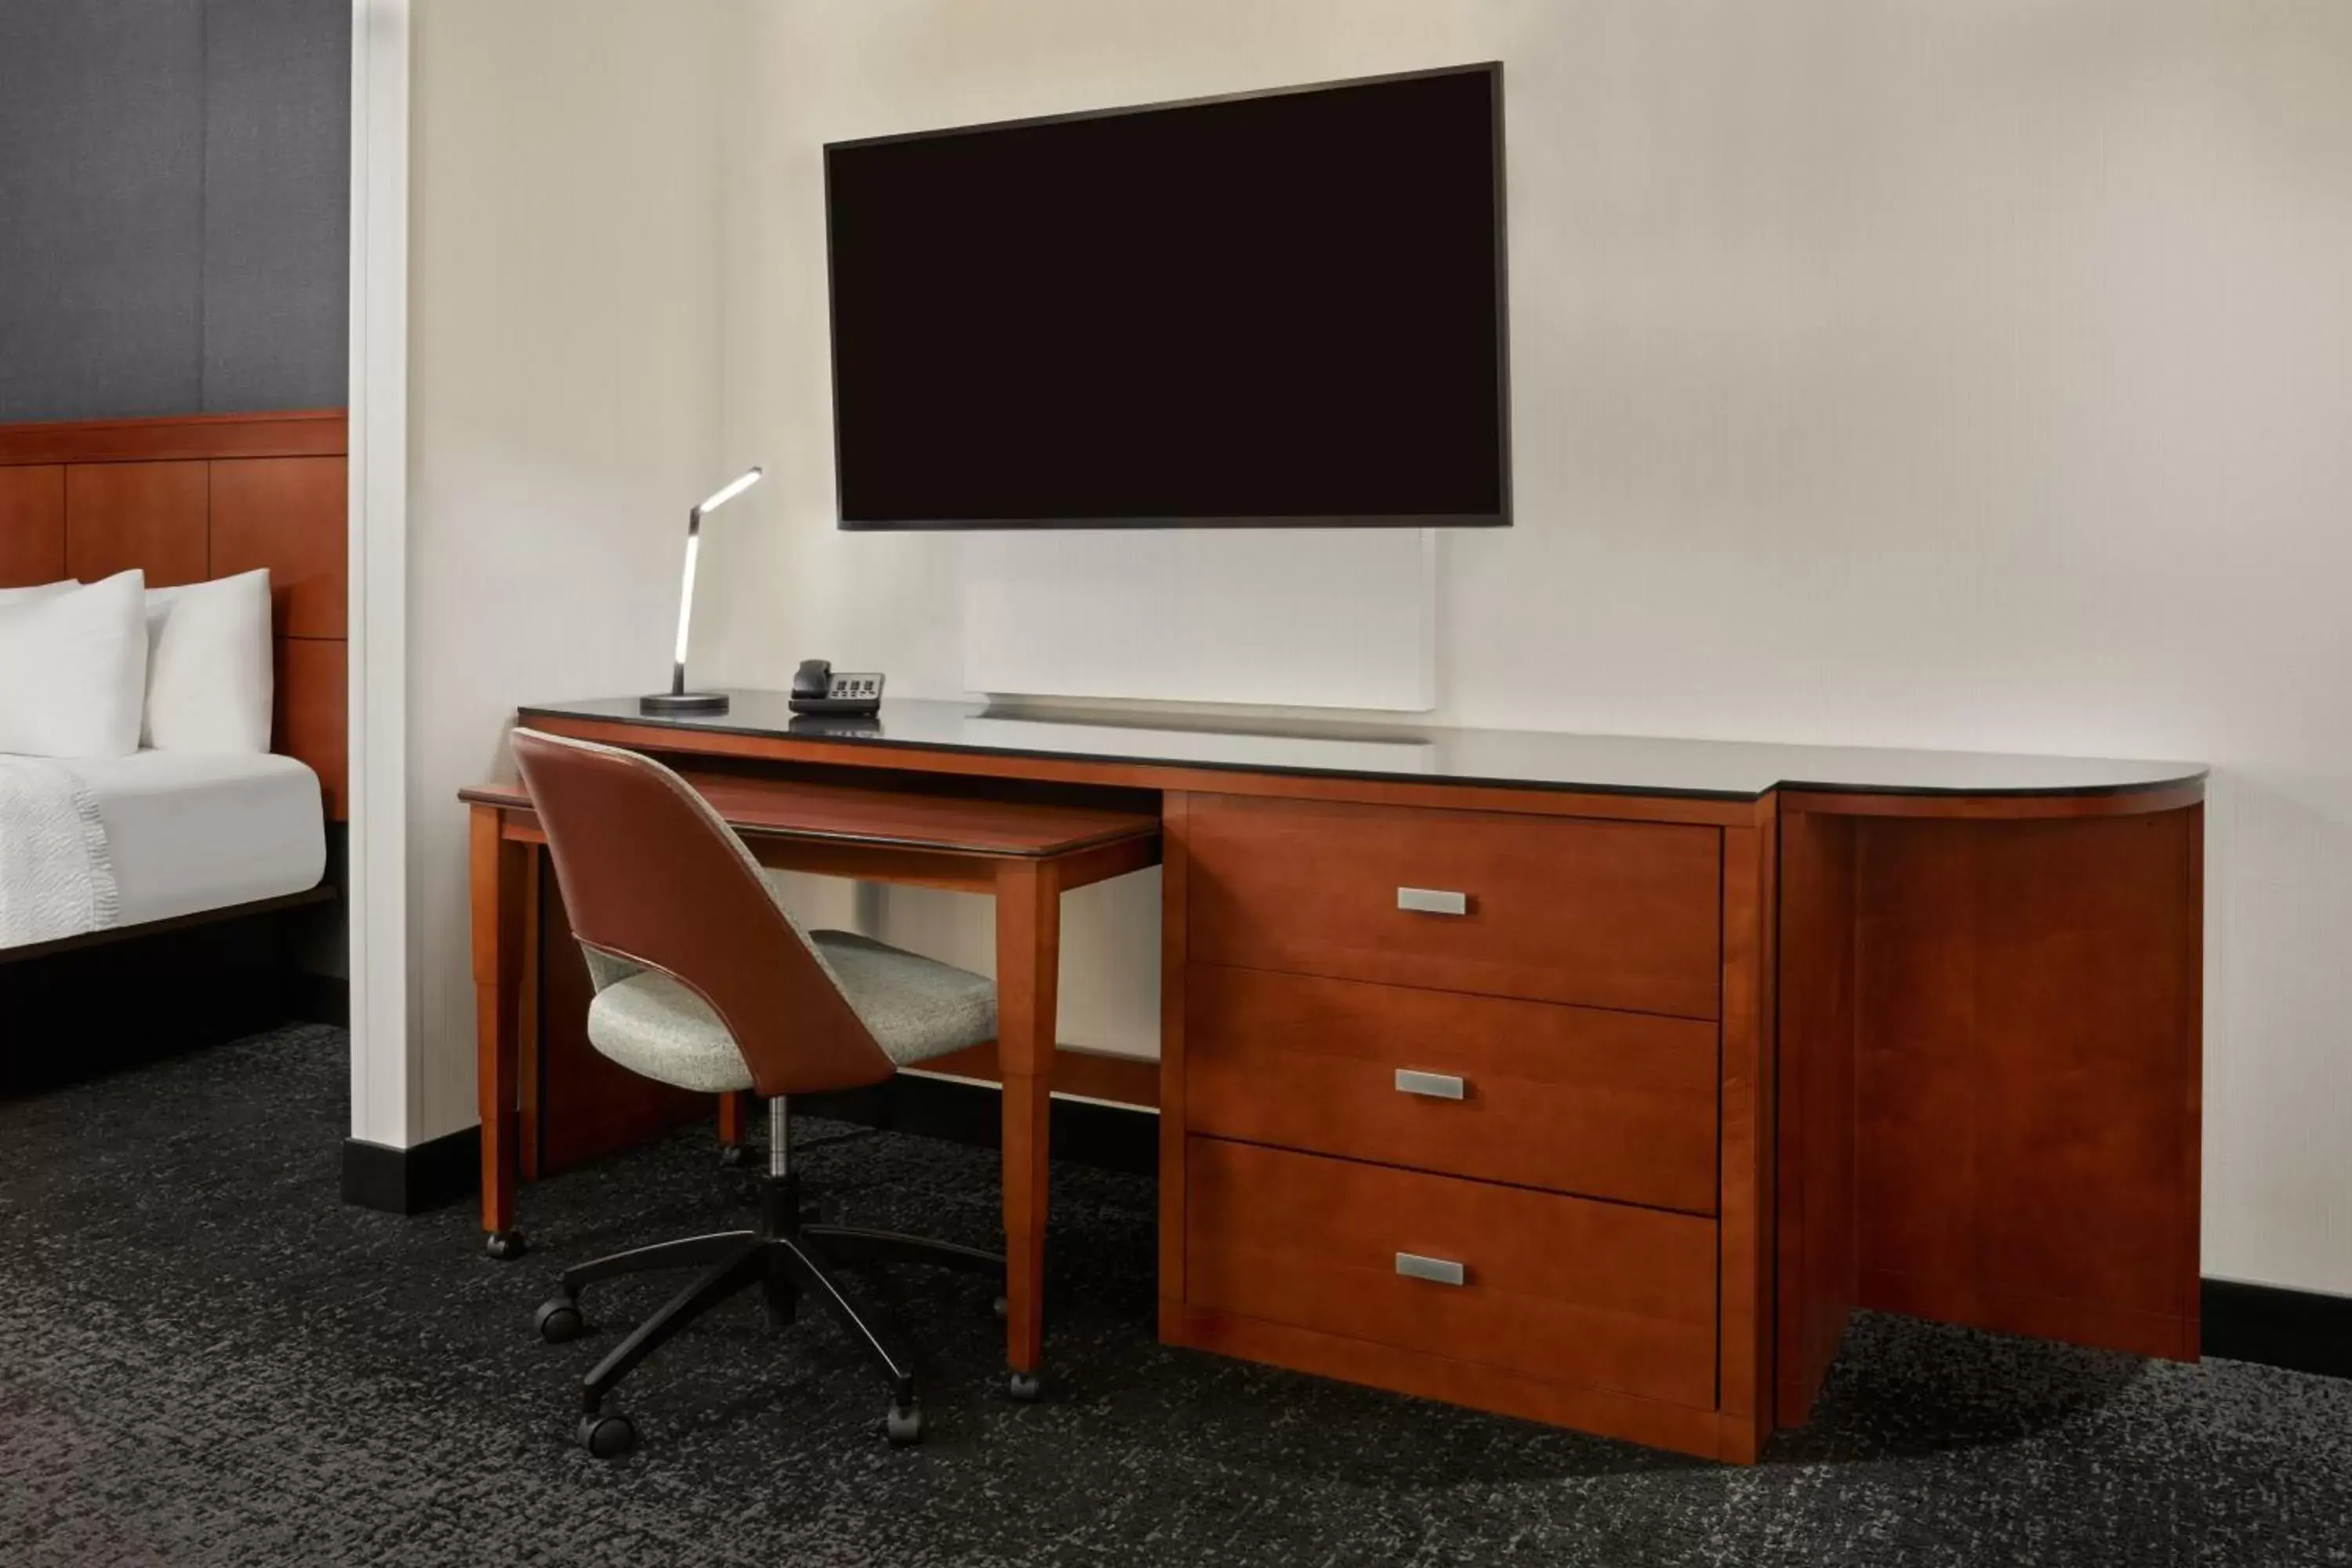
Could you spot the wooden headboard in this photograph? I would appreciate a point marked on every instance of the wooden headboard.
(196, 498)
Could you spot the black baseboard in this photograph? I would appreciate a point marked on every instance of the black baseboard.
(319, 999)
(410, 1180)
(1110, 1137)
(2303, 1331)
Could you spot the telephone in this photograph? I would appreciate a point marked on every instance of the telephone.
(817, 690)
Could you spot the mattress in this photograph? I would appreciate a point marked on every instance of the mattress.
(189, 832)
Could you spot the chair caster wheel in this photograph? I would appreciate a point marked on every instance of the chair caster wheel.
(904, 1427)
(1024, 1386)
(734, 1156)
(607, 1436)
(558, 1320)
(1003, 1308)
(504, 1244)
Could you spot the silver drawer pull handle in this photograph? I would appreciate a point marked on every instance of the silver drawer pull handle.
(1431, 1085)
(1436, 1270)
(1432, 901)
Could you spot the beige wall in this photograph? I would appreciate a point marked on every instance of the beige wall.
(1958, 373)
(563, 406)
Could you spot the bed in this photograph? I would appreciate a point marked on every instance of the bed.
(191, 834)
(179, 837)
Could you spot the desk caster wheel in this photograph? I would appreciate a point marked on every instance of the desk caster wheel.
(1024, 1386)
(734, 1156)
(904, 1427)
(558, 1320)
(607, 1436)
(504, 1244)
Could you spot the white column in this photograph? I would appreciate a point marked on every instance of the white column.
(383, 1054)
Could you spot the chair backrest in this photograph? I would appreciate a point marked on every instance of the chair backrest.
(651, 875)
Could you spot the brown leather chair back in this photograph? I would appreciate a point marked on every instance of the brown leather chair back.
(651, 875)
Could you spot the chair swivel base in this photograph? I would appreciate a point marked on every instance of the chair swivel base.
(787, 1260)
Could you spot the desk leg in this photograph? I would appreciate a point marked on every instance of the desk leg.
(1028, 968)
(734, 1131)
(500, 874)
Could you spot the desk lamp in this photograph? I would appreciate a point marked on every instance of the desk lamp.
(677, 698)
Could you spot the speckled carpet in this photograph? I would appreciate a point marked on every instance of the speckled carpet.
(207, 1358)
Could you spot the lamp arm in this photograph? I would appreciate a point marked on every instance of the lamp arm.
(685, 602)
(679, 700)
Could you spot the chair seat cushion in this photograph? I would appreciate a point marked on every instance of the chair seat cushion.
(916, 1008)
(655, 1027)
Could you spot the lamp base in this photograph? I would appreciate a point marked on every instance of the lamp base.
(683, 702)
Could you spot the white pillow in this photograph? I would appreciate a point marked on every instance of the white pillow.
(40, 590)
(208, 669)
(73, 669)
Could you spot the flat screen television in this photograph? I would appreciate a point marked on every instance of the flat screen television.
(1276, 309)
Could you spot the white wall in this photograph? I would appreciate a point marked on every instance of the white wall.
(563, 379)
(1959, 373)
(1950, 374)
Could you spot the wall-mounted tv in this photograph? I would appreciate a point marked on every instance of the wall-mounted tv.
(1277, 309)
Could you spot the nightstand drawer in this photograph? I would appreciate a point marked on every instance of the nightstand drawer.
(1600, 1295)
(1613, 1105)
(1604, 914)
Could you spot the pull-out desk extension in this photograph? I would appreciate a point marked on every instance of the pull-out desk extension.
(1597, 1080)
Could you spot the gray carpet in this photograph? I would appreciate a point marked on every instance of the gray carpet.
(207, 1358)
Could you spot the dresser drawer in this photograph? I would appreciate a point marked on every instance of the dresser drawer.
(1606, 914)
(1595, 1294)
(1613, 1105)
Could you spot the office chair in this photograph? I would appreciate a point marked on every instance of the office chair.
(704, 982)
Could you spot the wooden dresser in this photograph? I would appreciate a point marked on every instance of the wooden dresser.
(1597, 1080)
(1471, 1103)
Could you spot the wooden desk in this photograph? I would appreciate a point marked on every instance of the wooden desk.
(1023, 853)
(1597, 1080)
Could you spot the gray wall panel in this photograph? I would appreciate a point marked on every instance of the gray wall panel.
(277, 168)
(173, 206)
(101, 207)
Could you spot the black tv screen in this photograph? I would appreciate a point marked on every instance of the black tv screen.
(1281, 309)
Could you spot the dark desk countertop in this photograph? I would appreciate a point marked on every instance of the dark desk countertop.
(1520, 759)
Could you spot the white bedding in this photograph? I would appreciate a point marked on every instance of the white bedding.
(55, 879)
(188, 831)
